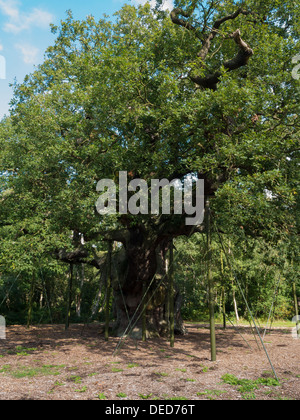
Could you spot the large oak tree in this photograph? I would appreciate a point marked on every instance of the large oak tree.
(206, 90)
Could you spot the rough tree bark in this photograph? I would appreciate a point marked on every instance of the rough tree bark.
(141, 281)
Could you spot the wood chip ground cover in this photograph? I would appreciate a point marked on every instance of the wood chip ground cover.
(47, 363)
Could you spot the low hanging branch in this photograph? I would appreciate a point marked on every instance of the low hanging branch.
(211, 80)
(79, 256)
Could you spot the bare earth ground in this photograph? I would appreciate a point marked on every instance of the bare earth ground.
(47, 363)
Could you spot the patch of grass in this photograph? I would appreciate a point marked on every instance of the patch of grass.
(57, 383)
(5, 369)
(181, 370)
(121, 395)
(247, 386)
(161, 374)
(102, 397)
(190, 380)
(21, 348)
(132, 365)
(211, 392)
(177, 398)
(22, 351)
(268, 382)
(76, 379)
(31, 372)
(145, 397)
(82, 390)
(249, 396)
(116, 370)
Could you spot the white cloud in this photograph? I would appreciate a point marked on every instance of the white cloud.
(19, 21)
(167, 4)
(10, 8)
(29, 53)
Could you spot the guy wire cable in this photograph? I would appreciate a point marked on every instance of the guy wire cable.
(244, 297)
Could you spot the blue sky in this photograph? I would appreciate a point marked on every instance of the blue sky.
(25, 33)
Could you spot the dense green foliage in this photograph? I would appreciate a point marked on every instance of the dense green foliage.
(265, 272)
(119, 96)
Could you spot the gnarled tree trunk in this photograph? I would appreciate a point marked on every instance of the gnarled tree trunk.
(141, 282)
(139, 275)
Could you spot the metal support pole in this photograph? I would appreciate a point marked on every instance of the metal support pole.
(69, 297)
(296, 307)
(144, 316)
(171, 296)
(108, 291)
(211, 298)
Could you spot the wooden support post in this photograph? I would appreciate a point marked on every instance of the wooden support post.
(29, 314)
(296, 307)
(211, 298)
(224, 307)
(108, 291)
(69, 297)
(171, 296)
(168, 297)
(223, 293)
(144, 315)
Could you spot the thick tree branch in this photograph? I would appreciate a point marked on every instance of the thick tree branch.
(182, 22)
(207, 44)
(75, 257)
(233, 16)
(210, 81)
(81, 256)
(244, 54)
